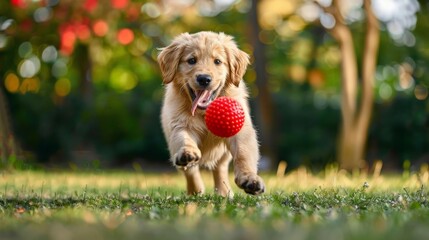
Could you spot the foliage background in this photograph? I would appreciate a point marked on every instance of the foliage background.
(83, 88)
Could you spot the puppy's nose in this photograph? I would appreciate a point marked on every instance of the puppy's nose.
(204, 80)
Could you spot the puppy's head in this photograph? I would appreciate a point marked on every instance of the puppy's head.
(202, 64)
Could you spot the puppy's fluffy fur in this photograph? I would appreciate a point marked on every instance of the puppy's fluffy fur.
(196, 69)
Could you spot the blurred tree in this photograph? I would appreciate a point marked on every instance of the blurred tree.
(311, 59)
(355, 115)
(8, 144)
(264, 102)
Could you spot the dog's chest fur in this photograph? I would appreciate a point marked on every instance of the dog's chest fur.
(212, 147)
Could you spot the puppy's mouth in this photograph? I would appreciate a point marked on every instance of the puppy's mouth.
(201, 99)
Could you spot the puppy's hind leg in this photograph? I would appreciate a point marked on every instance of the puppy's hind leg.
(194, 182)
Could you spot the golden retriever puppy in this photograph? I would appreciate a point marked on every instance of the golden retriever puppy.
(196, 69)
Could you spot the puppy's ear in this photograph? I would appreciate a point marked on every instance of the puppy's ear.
(169, 58)
(238, 61)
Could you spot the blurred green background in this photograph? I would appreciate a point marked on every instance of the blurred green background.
(80, 85)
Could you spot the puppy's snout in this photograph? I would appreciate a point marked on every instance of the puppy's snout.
(204, 80)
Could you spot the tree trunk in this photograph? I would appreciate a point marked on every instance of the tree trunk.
(355, 118)
(8, 146)
(264, 105)
(84, 64)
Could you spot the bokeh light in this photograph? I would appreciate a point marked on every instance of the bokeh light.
(133, 12)
(3, 41)
(100, 28)
(316, 78)
(62, 87)
(119, 4)
(29, 67)
(68, 39)
(309, 11)
(42, 14)
(11, 83)
(330, 56)
(90, 5)
(59, 68)
(122, 79)
(30, 85)
(25, 49)
(421, 92)
(406, 79)
(272, 12)
(82, 32)
(49, 54)
(296, 23)
(400, 17)
(327, 20)
(125, 36)
(6, 24)
(101, 55)
(151, 9)
(18, 3)
(284, 30)
(297, 73)
(385, 91)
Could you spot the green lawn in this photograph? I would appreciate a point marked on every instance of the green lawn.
(136, 205)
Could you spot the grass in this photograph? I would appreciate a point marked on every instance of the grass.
(129, 205)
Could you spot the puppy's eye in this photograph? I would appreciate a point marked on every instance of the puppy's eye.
(192, 61)
(217, 61)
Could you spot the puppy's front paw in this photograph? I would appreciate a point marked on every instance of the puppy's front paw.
(187, 157)
(250, 183)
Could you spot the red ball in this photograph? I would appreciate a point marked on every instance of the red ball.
(224, 117)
